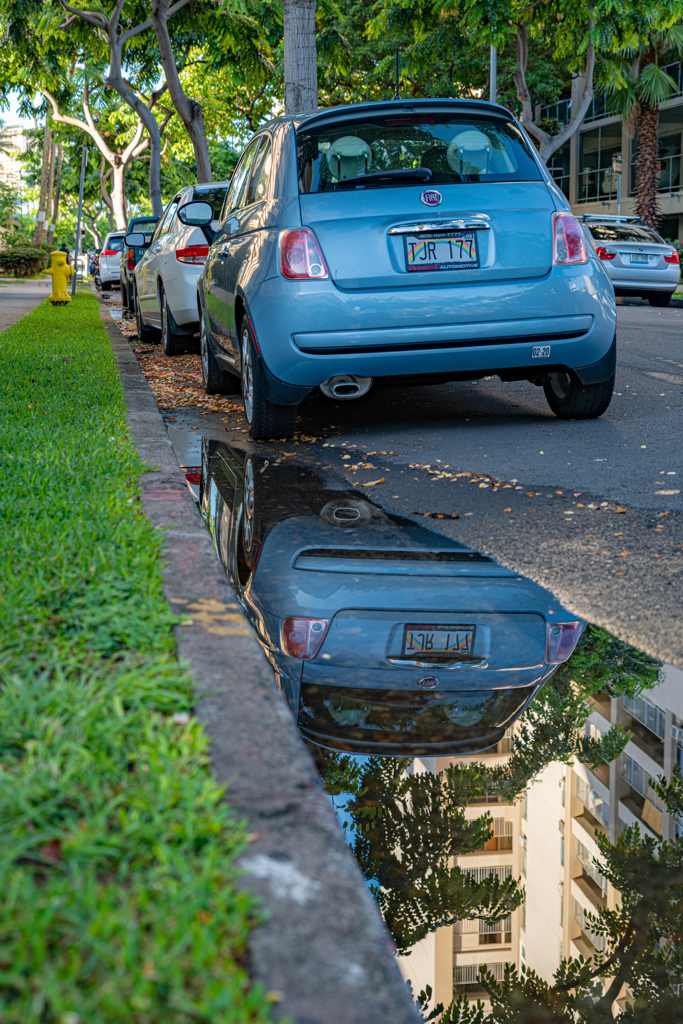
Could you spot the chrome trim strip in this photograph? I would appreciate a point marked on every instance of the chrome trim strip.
(440, 225)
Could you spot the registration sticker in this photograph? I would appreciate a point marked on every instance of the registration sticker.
(540, 352)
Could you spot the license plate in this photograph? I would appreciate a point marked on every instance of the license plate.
(439, 640)
(637, 258)
(455, 251)
(540, 352)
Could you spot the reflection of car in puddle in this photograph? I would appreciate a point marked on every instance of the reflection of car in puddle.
(385, 637)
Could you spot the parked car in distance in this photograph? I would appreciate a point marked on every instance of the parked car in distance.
(167, 274)
(637, 259)
(385, 637)
(109, 269)
(131, 256)
(399, 243)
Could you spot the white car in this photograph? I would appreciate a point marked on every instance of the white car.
(637, 259)
(109, 271)
(166, 277)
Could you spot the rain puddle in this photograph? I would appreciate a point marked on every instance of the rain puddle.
(493, 760)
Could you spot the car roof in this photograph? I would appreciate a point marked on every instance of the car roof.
(211, 184)
(405, 106)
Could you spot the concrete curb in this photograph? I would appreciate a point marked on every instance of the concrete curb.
(324, 946)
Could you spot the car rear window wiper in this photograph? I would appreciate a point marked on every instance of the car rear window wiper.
(408, 175)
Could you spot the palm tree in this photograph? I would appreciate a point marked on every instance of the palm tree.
(636, 85)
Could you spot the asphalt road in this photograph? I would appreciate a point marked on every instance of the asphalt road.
(18, 298)
(618, 563)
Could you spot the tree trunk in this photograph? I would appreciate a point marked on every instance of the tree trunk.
(301, 59)
(647, 164)
(58, 189)
(118, 183)
(189, 110)
(41, 219)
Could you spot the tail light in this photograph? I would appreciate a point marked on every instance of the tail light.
(193, 474)
(562, 638)
(569, 243)
(301, 638)
(301, 255)
(131, 259)
(110, 252)
(192, 254)
(605, 254)
(672, 257)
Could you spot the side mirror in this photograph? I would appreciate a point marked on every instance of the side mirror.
(136, 239)
(197, 214)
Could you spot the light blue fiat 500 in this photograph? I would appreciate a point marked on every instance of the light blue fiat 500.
(393, 244)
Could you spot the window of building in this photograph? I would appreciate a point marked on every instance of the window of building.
(587, 862)
(591, 800)
(647, 713)
(558, 165)
(670, 150)
(596, 179)
(639, 780)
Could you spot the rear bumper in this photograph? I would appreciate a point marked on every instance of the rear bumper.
(639, 281)
(310, 331)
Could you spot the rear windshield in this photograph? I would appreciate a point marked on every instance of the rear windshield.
(437, 150)
(623, 233)
(403, 716)
(115, 243)
(214, 195)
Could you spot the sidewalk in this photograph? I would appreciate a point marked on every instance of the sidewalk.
(18, 298)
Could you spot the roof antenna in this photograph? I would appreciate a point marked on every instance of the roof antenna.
(398, 95)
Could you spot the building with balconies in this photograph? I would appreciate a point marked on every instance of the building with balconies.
(583, 167)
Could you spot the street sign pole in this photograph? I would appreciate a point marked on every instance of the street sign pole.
(494, 75)
(617, 168)
(84, 164)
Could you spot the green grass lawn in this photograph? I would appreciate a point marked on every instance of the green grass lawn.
(117, 853)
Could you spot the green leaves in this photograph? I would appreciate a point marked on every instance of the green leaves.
(117, 864)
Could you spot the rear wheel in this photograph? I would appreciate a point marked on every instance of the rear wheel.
(124, 297)
(216, 380)
(130, 294)
(173, 344)
(571, 400)
(266, 419)
(661, 299)
(145, 333)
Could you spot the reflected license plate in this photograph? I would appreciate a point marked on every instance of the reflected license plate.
(455, 251)
(439, 640)
(637, 258)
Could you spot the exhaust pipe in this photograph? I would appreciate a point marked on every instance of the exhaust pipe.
(346, 387)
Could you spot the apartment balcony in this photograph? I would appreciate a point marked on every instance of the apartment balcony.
(473, 935)
(643, 810)
(590, 889)
(646, 741)
(466, 977)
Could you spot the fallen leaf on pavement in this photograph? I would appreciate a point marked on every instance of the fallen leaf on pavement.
(372, 483)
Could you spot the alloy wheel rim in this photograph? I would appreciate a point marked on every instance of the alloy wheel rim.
(247, 377)
(560, 384)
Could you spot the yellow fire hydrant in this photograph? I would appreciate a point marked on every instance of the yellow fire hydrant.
(60, 271)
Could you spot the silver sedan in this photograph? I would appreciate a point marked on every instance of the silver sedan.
(637, 259)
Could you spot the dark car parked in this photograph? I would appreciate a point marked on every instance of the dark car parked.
(131, 256)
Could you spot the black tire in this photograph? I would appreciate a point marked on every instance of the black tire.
(124, 297)
(216, 380)
(661, 299)
(571, 400)
(266, 420)
(173, 344)
(145, 333)
(131, 298)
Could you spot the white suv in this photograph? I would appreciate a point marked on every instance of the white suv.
(109, 270)
(166, 277)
